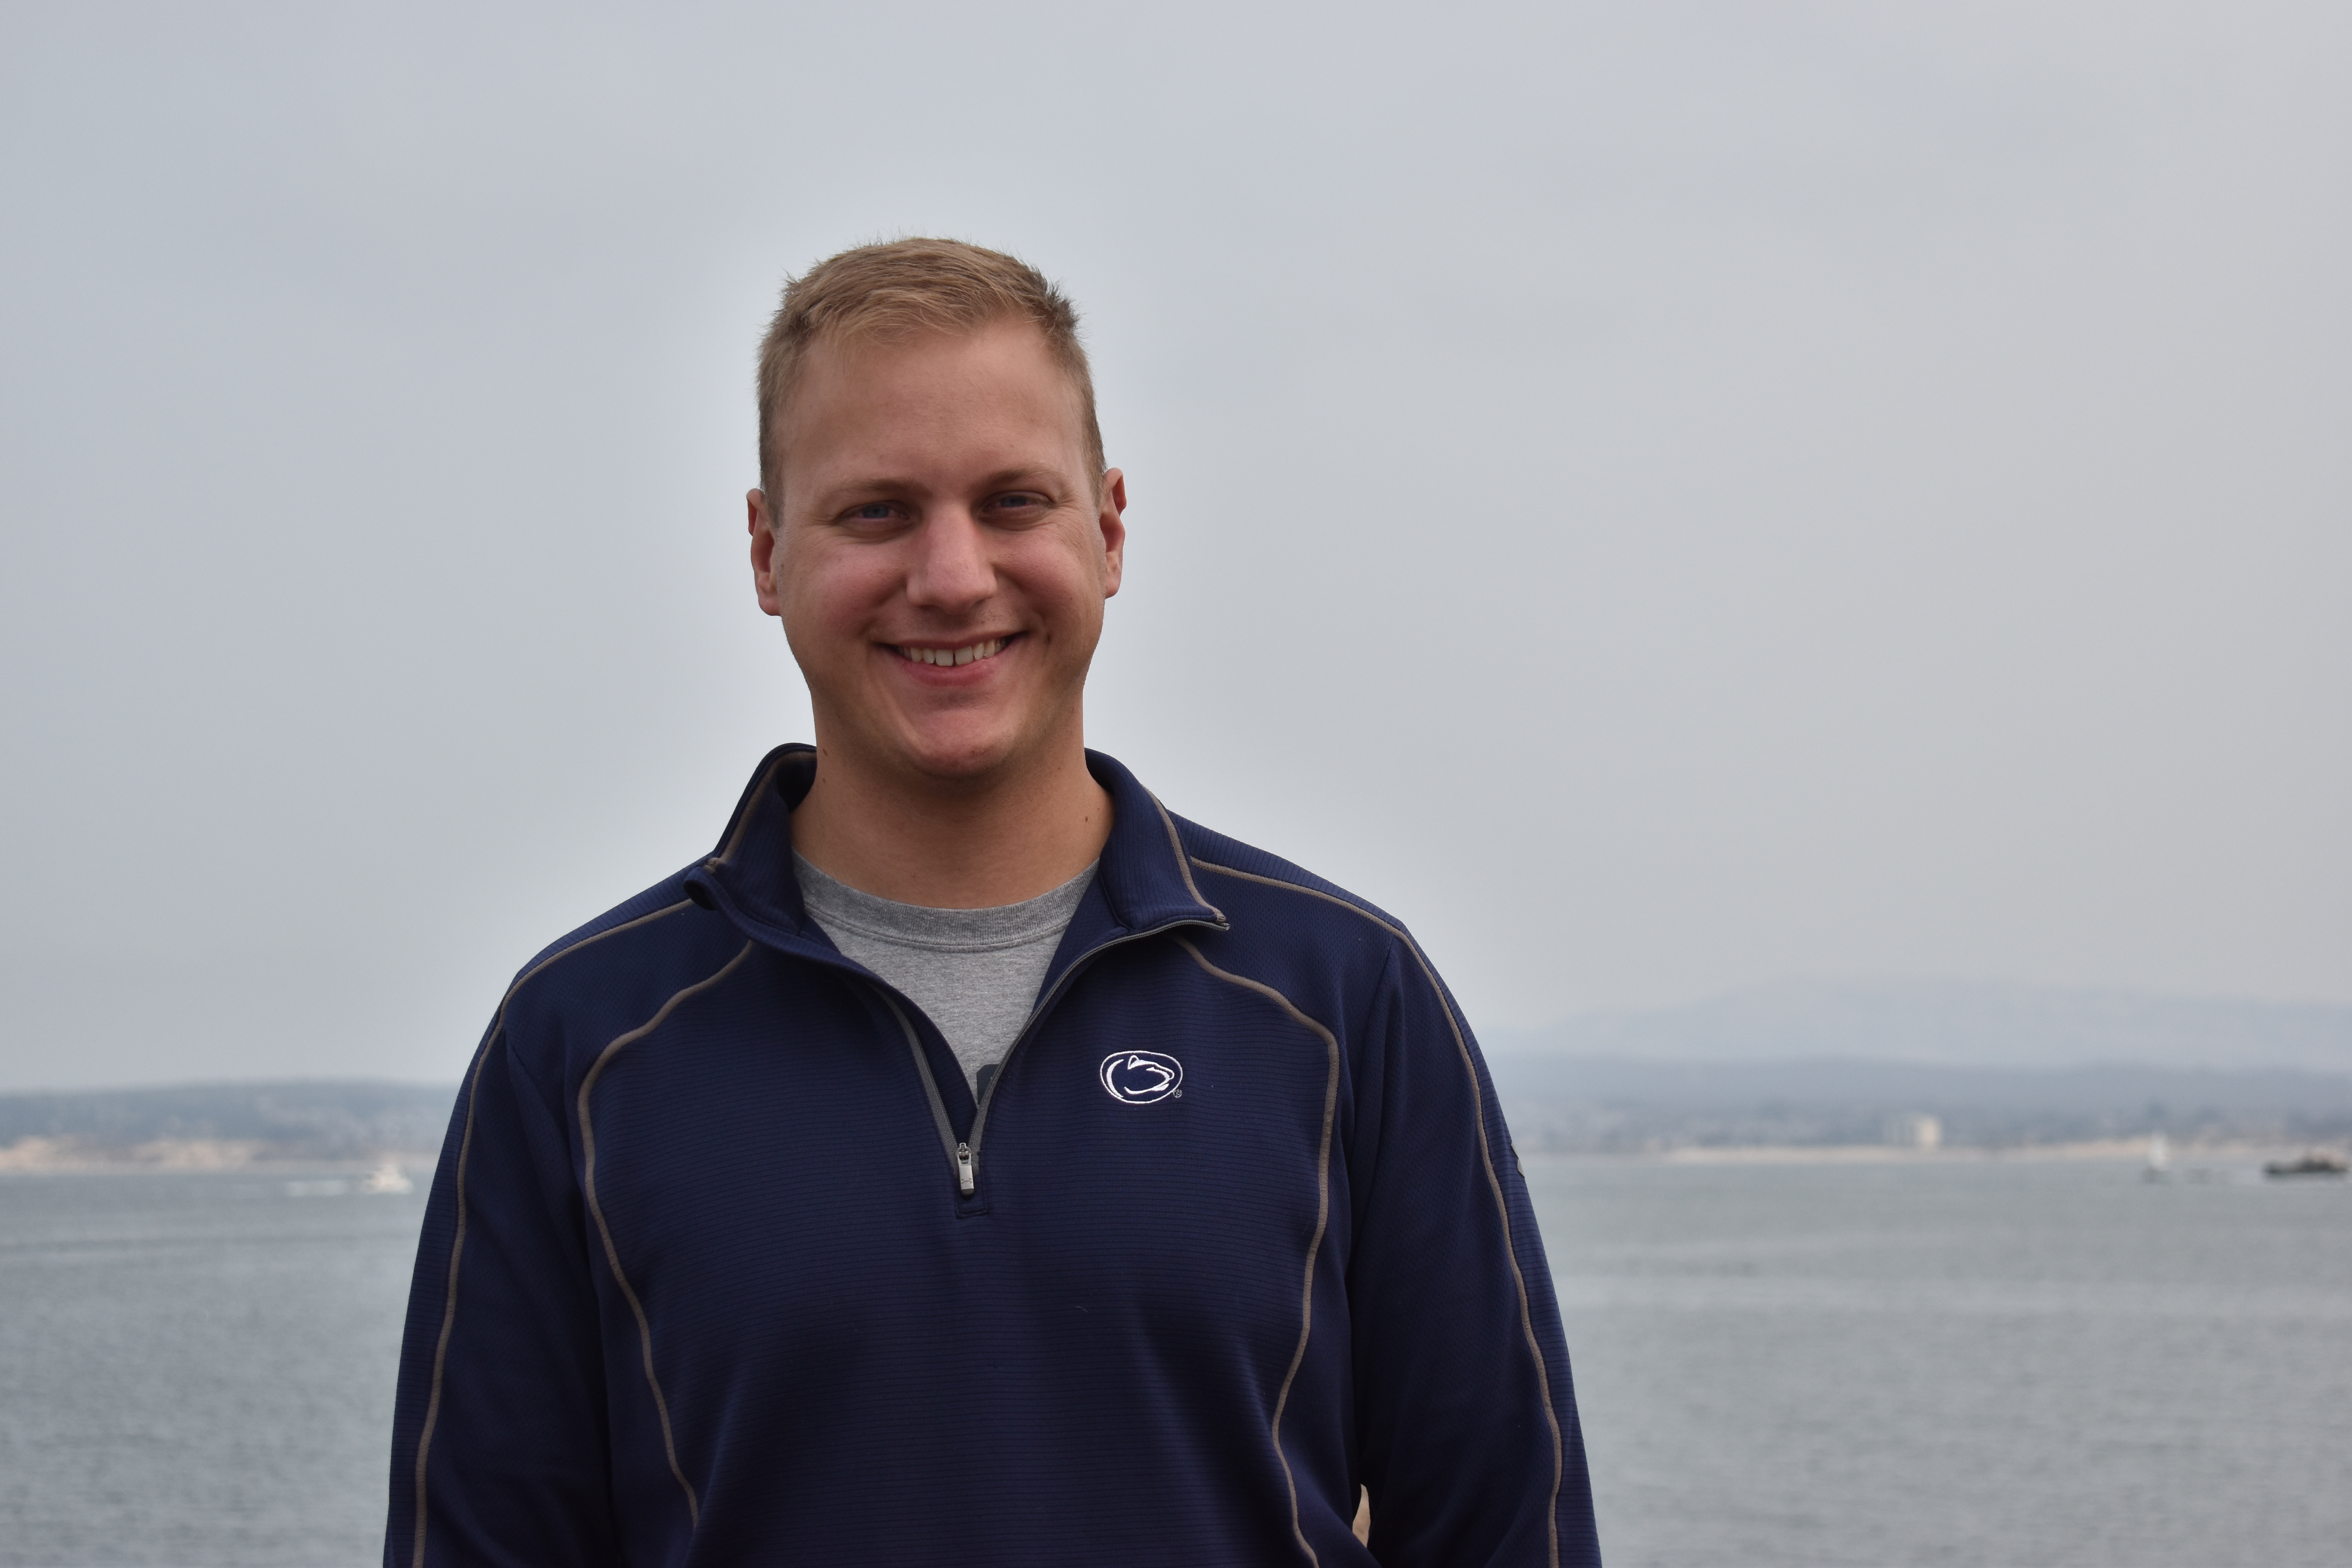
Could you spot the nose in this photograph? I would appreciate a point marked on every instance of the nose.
(951, 571)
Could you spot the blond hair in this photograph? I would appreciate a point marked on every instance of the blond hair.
(890, 293)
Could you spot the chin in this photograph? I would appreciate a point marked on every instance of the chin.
(957, 759)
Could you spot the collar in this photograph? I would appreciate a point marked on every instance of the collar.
(1143, 883)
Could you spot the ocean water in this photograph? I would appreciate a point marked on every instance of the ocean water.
(196, 1369)
(2004, 1365)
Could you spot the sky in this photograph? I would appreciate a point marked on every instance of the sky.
(1662, 498)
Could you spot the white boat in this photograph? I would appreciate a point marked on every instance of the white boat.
(2159, 1157)
(387, 1178)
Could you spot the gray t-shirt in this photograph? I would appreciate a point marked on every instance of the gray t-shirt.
(974, 972)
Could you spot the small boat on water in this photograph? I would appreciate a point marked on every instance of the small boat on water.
(2159, 1159)
(2316, 1162)
(387, 1178)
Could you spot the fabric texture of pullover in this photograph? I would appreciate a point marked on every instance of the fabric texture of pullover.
(724, 1264)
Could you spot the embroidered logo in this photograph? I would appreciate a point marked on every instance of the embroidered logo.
(1141, 1077)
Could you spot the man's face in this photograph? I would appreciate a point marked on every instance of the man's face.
(938, 551)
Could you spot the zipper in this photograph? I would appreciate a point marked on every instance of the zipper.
(964, 1154)
(1045, 1003)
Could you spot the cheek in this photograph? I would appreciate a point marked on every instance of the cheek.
(828, 597)
(1065, 582)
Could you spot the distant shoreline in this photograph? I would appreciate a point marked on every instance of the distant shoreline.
(2121, 1151)
(52, 1156)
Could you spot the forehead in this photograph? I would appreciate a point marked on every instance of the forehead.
(995, 395)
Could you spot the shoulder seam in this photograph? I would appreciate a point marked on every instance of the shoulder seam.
(1283, 882)
(569, 948)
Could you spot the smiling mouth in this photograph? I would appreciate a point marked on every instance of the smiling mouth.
(971, 653)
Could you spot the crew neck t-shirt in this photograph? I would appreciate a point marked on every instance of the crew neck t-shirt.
(974, 972)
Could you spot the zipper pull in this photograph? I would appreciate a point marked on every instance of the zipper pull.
(965, 1181)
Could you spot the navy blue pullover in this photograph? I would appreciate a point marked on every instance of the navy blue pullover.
(724, 1265)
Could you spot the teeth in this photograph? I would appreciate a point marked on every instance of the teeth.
(954, 656)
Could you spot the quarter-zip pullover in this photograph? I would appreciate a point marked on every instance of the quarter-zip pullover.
(724, 1262)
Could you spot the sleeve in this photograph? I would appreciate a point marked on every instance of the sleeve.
(499, 1452)
(1465, 1419)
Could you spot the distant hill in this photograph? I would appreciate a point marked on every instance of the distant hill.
(1958, 1024)
(212, 1124)
(1830, 1063)
(1603, 1103)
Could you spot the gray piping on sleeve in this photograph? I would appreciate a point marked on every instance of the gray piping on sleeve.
(1322, 1219)
(1487, 1158)
(605, 1230)
(457, 1242)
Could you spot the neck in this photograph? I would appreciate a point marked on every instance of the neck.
(952, 844)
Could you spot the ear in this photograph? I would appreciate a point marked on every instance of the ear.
(1112, 519)
(764, 552)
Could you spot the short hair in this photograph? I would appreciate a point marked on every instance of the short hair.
(893, 292)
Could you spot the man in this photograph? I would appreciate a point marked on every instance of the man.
(970, 1161)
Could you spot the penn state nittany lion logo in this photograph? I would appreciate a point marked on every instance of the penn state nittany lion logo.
(1140, 1078)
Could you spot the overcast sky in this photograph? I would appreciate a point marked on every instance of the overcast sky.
(1660, 496)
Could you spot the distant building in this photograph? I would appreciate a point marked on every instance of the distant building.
(1915, 1130)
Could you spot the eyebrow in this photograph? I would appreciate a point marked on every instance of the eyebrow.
(1030, 476)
